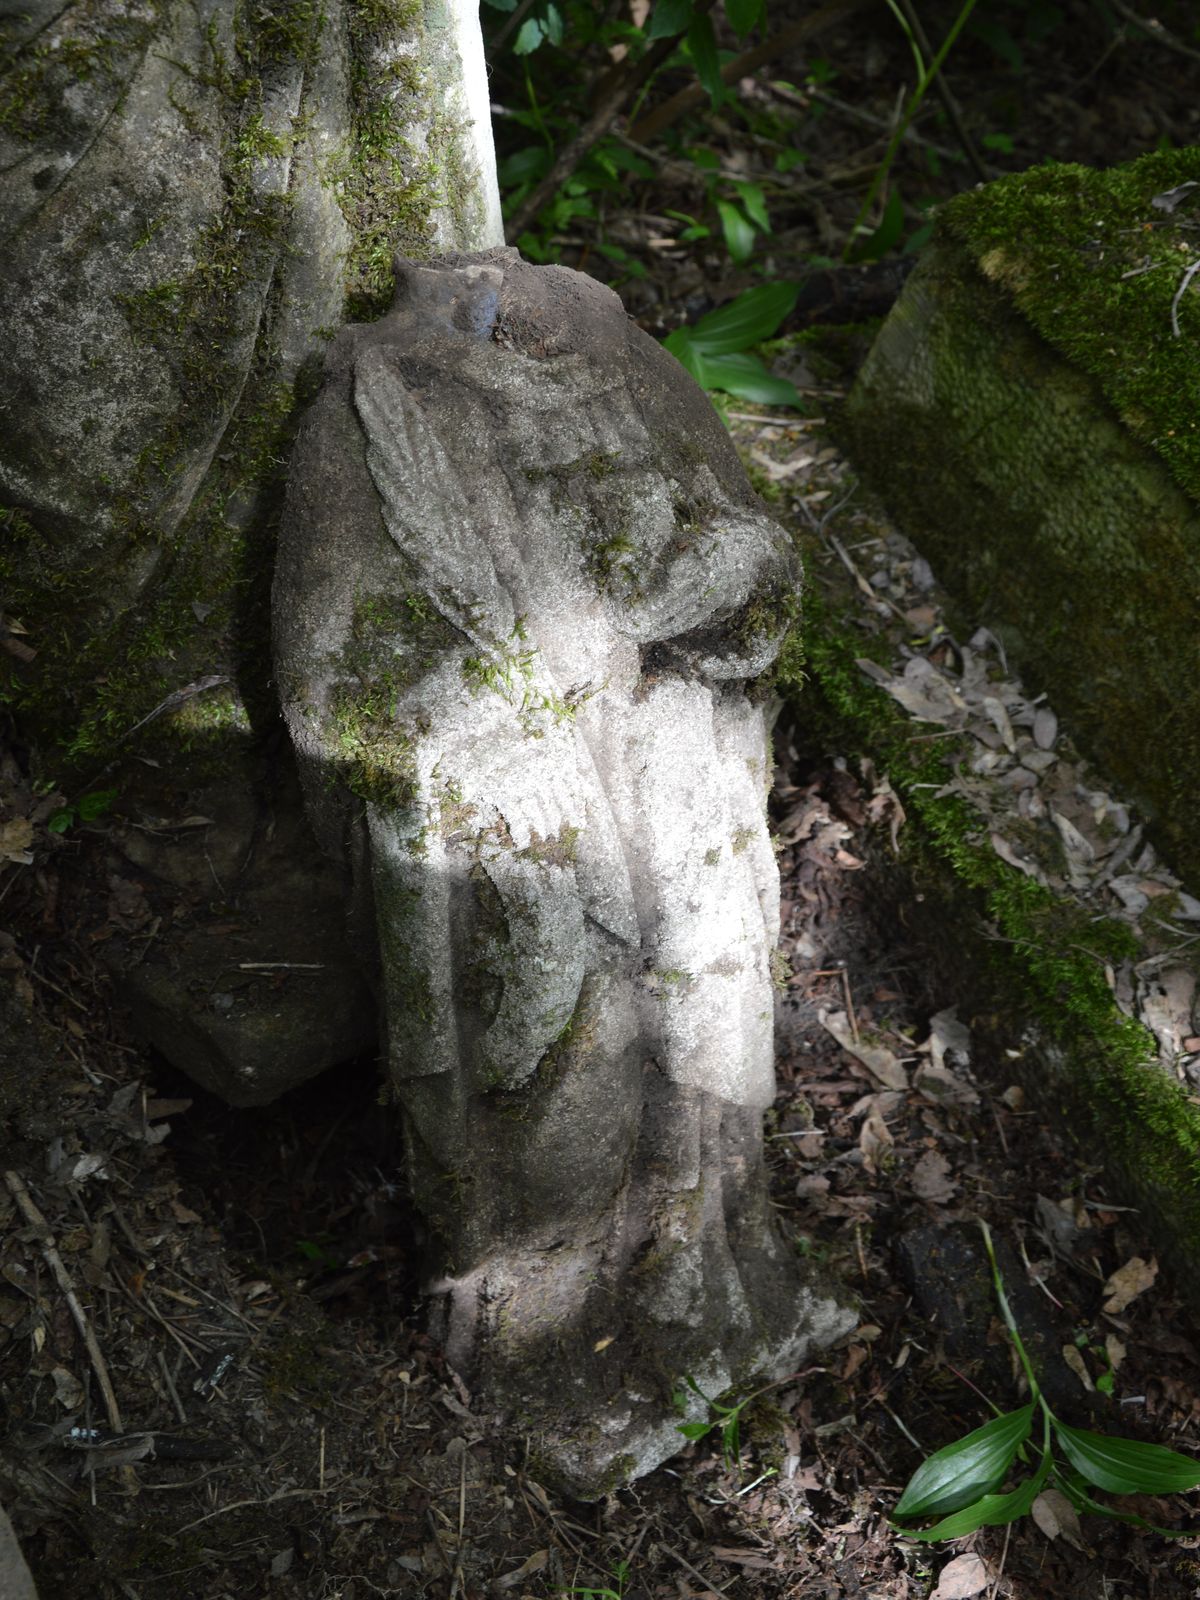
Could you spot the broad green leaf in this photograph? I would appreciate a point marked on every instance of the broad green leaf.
(739, 232)
(891, 224)
(744, 14)
(752, 197)
(669, 18)
(552, 23)
(96, 804)
(524, 165)
(1082, 1501)
(751, 318)
(529, 35)
(694, 1430)
(1127, 1466)
(996, 35)
(745, 376)
(683, 347)
(703, 45)
(956, 1475)
(992, 1511)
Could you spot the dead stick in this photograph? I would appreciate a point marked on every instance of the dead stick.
(54, 1261)
(850, 1005)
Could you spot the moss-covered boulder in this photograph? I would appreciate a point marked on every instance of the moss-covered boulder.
(1030, 412)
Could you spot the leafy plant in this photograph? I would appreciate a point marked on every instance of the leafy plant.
(87, 808)
(884, 236)
(958, 1484)
(716, 350)
(727, 1419)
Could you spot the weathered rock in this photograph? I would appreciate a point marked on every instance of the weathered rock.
(191, 196)
(255, 989)
(1028, 414)
(521, 585)
(16, 1580)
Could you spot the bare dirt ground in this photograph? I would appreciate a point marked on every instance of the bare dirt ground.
(284, 1428)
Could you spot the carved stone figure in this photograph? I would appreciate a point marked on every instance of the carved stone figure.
(522, 587)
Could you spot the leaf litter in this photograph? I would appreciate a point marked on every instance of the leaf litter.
(288, 1427)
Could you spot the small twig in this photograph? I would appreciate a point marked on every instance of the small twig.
(718, 1588)
(281, 966)
(54, 1261)
(942, 89)
(1187, 278)
(171, 1389)
(995, 1589)
(1153, 29)
(240, 1505)
(850, 1005)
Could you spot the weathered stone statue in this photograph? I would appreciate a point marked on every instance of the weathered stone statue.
(522, 586)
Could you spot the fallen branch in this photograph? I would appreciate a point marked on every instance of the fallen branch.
(54, 1261)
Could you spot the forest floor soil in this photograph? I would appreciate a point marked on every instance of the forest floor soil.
(284, 1427)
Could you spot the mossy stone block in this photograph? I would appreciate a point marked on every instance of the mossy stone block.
(1030, 412)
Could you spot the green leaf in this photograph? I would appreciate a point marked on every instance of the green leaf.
(752, 197)
(1126, 1466)
(703, 46)
(739, 232)
(694, 1430)
(61, 820)
(992, 1511)
(503, 5)
(1082, 1501)
(529, 35)
(96, 804)
(745, 14)
(748, 320)
(669, 18)
(891, 224)
(974, 1465)
(552, 23)
(744, 376)
(1002, 42)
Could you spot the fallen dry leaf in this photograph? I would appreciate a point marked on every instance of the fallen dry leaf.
(931, 1179)
(16, 836)
(963, 1577)
(1074, 1359)
(874, 1139)
(1129, 1281)
(528, 1567)
(1057, 1517)
(878, 1060)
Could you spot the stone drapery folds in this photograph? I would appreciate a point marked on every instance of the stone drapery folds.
(522, 588)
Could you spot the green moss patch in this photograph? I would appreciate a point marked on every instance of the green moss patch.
(1095, 260)
(1032, 961)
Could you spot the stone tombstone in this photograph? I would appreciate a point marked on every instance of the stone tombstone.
(523, 585)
